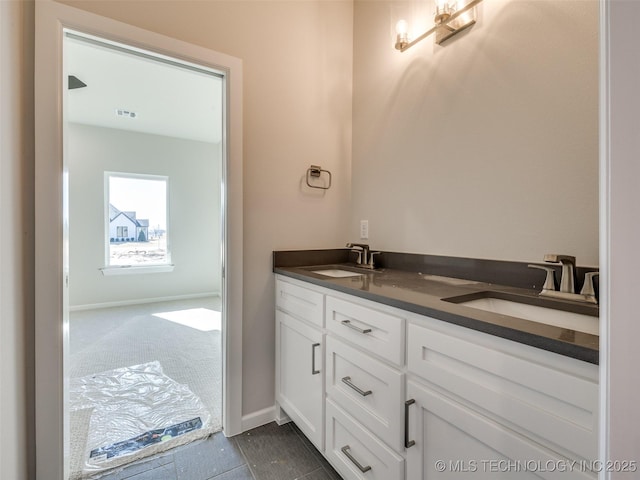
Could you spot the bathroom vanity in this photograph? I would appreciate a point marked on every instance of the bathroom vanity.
(392, 375)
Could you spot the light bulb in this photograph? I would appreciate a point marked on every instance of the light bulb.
(402, 27)
(402, 37)
(443, 10)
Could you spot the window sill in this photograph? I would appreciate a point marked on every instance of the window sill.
(136, 269)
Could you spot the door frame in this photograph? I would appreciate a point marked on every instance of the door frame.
(51, 220)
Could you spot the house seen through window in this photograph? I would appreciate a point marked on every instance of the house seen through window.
(137, 230)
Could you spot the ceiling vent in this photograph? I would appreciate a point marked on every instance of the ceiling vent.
(126, 113)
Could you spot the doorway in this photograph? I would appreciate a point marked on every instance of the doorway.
(58, 295)
(143, 147)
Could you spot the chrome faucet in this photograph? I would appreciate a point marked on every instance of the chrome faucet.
(363, 252)
(365, 255)
(567, 280)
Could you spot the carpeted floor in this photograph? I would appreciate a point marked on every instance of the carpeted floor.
(183, 336)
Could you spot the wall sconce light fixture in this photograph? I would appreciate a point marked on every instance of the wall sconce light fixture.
(451, 17)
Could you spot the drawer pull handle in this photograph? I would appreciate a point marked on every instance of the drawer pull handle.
(407, 443)
(345, 450)
(347, 380)
(313, 359)
(347, 323)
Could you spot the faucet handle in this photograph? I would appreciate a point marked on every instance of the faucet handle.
(371, 254)
(550, 279)
(359, 252)
(587, 287)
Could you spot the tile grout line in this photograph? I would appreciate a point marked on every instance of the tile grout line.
(290, 432)
(309, 447)
(146, 462)
(311, 472)
(236, 468)
(246, 460)
(175, 468)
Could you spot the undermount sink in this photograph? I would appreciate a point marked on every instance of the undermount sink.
(549, 316)
(337, 273)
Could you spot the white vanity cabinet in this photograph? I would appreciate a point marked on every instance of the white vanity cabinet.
(404, 396)
(300, 358)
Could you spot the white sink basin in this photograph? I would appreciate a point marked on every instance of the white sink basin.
(549, 316)
(337, 273)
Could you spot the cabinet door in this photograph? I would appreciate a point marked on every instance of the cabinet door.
(452, 441)
(299, 375)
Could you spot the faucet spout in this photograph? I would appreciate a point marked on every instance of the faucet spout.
(568, 262)
(365, 250)
(567, 282)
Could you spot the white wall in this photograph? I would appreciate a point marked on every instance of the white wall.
(193, 170)
(17, 448)
(297, 64)
(485, 147)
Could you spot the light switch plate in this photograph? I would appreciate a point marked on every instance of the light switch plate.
(364, 229)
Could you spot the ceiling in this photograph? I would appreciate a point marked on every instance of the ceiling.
(166, 99)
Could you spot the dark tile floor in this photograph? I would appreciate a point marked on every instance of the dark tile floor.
(270, 452)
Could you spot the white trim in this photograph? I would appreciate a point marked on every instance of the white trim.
(605, 248)
(135, 269)
(259, 418)
(51, 220)
(281, 416)
(140, 301)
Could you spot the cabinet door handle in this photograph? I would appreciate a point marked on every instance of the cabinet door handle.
(347, 380)
(345, 450)
(347, 323)
(407, 443)
(313, 359)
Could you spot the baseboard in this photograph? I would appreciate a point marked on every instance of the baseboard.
(281, 415)
(140, 301)
(259, 418)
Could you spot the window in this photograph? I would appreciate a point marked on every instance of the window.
(123, 231)
(136, 221)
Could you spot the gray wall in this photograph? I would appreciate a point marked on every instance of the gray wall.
(194, 170)
(484, 147)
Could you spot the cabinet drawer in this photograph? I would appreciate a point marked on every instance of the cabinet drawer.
(551, 404)
(379, 332)
(346, 438)
(367, 389)
(300, 302)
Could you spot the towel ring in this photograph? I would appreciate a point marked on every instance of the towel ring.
(316, 171)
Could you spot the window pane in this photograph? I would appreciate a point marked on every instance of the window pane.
(137, 233)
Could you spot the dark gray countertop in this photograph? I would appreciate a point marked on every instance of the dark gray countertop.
(423, 294)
